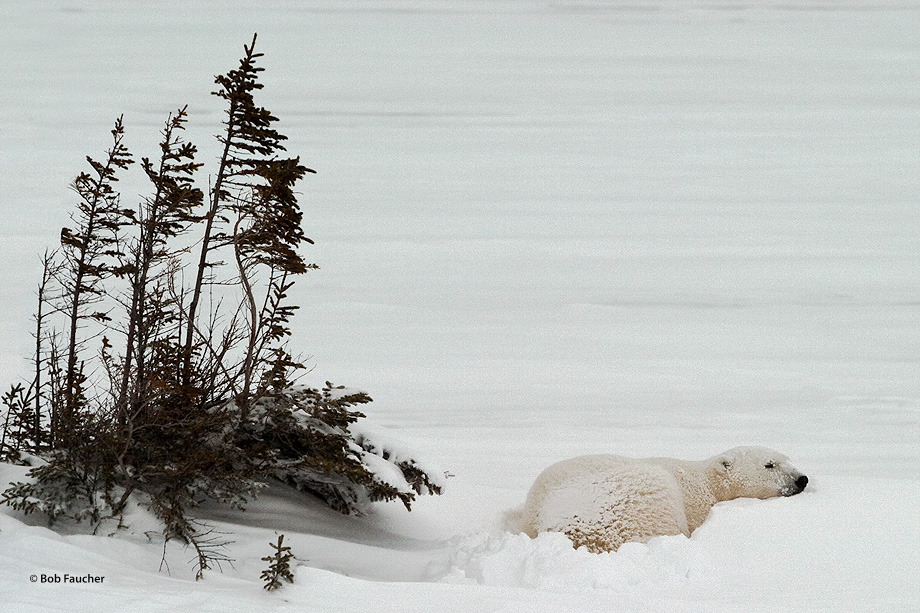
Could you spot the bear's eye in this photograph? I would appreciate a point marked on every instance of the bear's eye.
(769, 465)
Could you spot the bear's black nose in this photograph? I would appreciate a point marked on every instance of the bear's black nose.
(801, 482)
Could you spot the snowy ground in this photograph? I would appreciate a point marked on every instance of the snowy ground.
(545, 229)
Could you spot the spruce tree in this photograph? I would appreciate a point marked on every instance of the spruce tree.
(87, 251)
(279, 565)
(253, 194)
(154, 318)
(184, 399)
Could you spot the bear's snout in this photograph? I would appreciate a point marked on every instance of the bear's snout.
(795, 487)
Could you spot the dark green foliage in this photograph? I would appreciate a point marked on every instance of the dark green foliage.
(279, 565)
(77, 482)
(19, 431)
(302, 437)
(146, 387)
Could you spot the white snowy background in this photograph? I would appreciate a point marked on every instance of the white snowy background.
(544, 229)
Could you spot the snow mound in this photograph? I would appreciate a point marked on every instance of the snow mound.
(550, 562)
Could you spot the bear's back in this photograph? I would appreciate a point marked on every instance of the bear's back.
(601, 501)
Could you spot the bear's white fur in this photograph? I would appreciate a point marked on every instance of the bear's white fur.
(602, 501)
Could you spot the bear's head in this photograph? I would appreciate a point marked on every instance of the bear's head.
(756, 472)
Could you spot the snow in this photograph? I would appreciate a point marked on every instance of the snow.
(545, 229)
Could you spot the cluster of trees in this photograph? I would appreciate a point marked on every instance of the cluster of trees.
(161, 365)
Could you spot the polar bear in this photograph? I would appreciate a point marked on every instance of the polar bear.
(602, 501)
